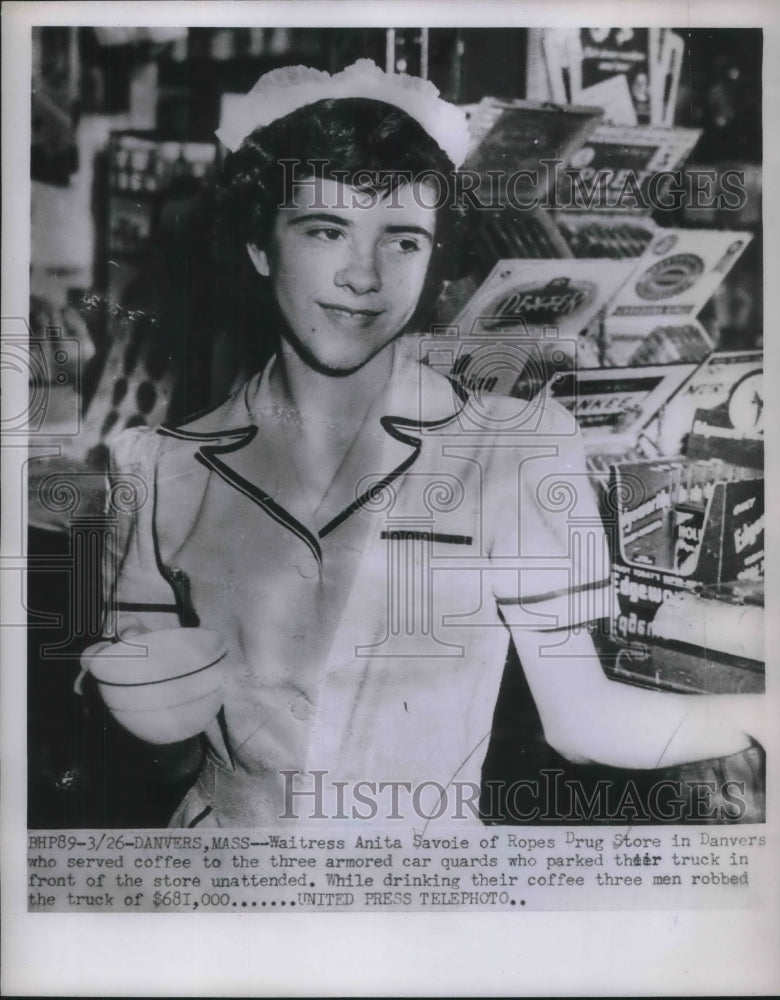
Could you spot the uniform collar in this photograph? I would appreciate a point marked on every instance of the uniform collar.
(239, 441)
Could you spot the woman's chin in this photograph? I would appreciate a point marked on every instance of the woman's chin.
(339, 363)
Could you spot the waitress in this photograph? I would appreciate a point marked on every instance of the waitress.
(365, 537)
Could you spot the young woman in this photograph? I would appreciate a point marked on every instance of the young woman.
(365, 537)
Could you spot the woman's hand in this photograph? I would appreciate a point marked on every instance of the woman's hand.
(591, 719)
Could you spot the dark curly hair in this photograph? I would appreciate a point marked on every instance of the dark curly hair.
(345, 139)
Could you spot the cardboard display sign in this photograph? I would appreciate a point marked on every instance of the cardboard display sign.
(565, 293)
(607, 55)
(711, 389)
(632, 73)
(676, 275)
(614, 405)
(613, 169)
(513, 136)
(544, 305)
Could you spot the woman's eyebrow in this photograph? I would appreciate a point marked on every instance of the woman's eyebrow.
(326, 217)
(418, 230)
(318, 217)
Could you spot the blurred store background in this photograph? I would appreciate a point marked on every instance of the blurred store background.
(123, 154)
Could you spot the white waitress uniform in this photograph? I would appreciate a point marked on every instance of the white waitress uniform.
(367, 638)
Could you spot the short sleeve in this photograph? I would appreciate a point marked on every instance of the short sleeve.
(550, 561)
(136, 593)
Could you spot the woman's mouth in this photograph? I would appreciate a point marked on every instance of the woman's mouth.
(348, 316)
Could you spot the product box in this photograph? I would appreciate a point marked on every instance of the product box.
(702, 642)
(677, 526)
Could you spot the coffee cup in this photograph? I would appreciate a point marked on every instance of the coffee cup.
(162, 686)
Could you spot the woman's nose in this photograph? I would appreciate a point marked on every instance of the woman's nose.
(360, 273)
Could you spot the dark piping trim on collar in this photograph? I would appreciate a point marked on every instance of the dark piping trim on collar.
(392, 426)
(177, 432)
(209, 456)
(396, 427)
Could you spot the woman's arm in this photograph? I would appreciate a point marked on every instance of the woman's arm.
(589, 718)
(554, 570)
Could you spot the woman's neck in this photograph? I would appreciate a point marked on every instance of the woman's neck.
(328, 412)
(320, 400)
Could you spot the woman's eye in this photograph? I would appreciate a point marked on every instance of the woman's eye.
(326, 234)
(406, 244)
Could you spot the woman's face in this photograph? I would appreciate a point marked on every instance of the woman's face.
(347, 268)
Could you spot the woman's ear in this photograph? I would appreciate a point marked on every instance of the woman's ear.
(259, 259)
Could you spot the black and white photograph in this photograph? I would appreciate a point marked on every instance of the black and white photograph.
(384, 459)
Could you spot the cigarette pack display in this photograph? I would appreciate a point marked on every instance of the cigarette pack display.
(668, 345)
(723, 407)
(632, 73)
(512, 233)
(687, 532)
(605, 234)
(645, 343)
(645, 523)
